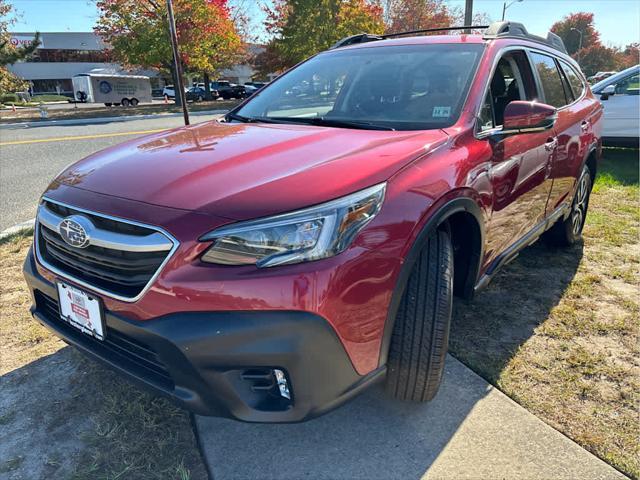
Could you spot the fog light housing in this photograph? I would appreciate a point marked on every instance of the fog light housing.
(283, 385)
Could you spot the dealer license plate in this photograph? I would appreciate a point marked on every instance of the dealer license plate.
(81, 310)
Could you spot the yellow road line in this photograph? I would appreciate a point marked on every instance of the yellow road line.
(81, 137)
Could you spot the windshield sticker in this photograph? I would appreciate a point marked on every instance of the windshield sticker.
(441, 112)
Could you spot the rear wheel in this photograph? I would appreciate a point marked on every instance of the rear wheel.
(125, 102)
(569, 231)
(134, 102)
(421, 331)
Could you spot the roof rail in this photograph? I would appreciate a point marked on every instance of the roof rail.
(367, 37)
(493, 31)
(353, 39)
(515, 29)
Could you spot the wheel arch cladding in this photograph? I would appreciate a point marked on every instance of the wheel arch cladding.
(459, 217)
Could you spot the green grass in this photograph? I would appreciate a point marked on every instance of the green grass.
(134, 435)
(49, 98)
(558, 329)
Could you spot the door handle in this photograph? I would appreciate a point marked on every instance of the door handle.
(551, 144)
(584, 125)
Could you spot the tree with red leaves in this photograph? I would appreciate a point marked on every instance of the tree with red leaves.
(592, 55)
(137, 33)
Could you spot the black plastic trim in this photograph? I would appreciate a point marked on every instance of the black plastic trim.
(206, 352)
(457, 205)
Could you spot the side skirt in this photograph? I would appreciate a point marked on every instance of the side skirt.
(512, 252)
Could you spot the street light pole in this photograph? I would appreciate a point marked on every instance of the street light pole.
(468, 14)
(505, 6)
(579, 44)
(179, 88)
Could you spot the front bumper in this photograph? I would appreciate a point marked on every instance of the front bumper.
(215, 363)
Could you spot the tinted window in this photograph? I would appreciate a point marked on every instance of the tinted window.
(550, 79)
(403, 87)
(629, 85)
(577, 86)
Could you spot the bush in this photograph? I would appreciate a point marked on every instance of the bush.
(9, 98)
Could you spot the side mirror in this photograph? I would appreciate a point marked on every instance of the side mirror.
(607, 91)
(528, 117)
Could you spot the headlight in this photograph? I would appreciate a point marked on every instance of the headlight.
(310, 234)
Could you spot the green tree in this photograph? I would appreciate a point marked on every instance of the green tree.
(302, 28)
(137, 33)
(9, 53)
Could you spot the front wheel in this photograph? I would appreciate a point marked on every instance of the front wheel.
(134, 102)
(568, 231)
(421, 331)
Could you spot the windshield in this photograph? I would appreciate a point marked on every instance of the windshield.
(406, 87)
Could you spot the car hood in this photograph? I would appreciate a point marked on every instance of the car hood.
(241, 171)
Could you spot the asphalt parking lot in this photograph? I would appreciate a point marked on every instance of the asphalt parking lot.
(31, 155)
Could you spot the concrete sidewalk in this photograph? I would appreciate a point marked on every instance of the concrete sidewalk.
(471, 430)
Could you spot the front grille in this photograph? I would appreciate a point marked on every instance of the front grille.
(122, 272)
(128, 352)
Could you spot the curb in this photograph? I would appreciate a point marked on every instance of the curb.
(97, 120)
(20, 227)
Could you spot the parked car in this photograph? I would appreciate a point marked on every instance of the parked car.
(253, 87)
(228, 90)
(169, 91)
(196, 94)
(600, 76)
(249, 90)
(273, 264)
(620, 96)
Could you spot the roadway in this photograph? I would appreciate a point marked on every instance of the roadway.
(31, 156)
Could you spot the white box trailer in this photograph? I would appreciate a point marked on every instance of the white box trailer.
(114, 89)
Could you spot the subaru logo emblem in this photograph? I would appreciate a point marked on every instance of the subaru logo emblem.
(74, 231)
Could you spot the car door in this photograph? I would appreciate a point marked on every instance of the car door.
(519, 164)
(573, 130)
(621, 119)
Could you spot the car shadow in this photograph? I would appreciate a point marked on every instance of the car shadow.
(488, 331)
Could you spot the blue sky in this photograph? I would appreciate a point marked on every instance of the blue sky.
(617, 20)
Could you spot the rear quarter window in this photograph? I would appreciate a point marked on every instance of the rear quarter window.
(550, 79)
(576, 83)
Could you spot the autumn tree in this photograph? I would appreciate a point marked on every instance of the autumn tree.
(407, 15)
(592, 55)
(137, 34)
(572, 26)
(629, 56)
(302, 28)
(9, 53)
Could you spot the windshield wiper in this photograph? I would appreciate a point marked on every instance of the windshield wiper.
(319, 121)
(239, 118)
(333, 122)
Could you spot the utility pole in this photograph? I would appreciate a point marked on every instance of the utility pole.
(580, 43)
(179, 88)
(468, 14)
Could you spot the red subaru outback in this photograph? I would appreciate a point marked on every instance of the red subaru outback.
(273, 264)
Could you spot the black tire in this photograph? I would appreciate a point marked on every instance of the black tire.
(107, 104)
(125, 102)
(134, 102)
(569, 231)
(421, 331)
